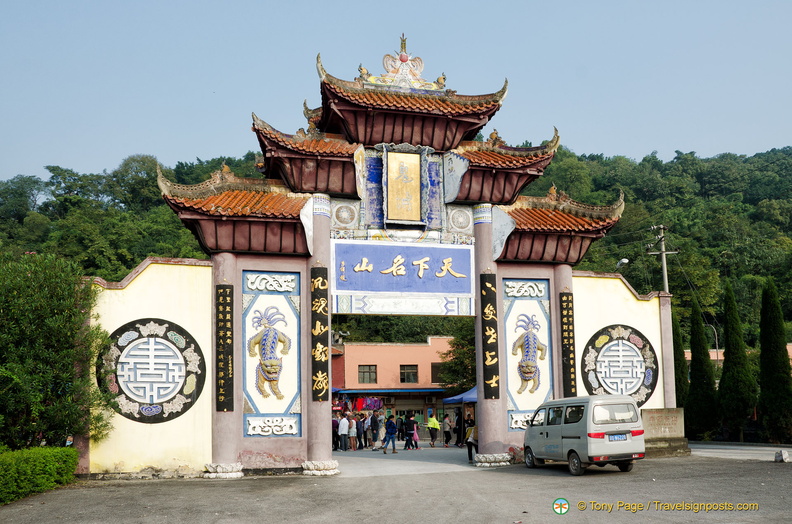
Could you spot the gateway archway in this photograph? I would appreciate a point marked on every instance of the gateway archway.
(385, 205)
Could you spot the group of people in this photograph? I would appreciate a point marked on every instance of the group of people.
(354, 431)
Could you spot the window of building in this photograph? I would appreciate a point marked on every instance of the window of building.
(436, 372)
(408, 374)
(367, 374)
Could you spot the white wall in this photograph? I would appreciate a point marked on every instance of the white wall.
(603, 299)
(179, 291)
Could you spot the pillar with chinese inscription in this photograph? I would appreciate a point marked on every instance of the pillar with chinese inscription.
(489, 349)
(318, 404)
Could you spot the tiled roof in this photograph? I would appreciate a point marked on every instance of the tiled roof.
(447, 104)
(493, 153)
(497, 159)
(559, 213)
(312, 142)
(245, 203)
(555, 220)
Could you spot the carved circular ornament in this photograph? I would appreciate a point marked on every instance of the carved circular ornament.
(345, 215)
(154, 367)
(460, 219)
(619, 360)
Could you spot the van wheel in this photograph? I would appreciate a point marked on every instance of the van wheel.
(625, 467)
(530, 459)
(576, 467)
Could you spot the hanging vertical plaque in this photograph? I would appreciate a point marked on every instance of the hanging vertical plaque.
(224, 347)
(320, 335)
(568, 344)
(489, 336)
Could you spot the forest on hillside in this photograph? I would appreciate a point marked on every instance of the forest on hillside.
(728, 218)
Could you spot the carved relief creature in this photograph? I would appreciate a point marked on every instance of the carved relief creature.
(265, 344)
(364, 74)
(529, 344)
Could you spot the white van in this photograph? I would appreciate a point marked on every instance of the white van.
(600, 430)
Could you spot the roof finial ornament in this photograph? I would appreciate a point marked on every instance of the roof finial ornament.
(441, 81)
(403, 44)
(495, 139)
(364, 74)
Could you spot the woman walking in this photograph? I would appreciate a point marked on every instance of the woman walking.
(446, 430)
(434, 427)
(390, 435)
(410, 432)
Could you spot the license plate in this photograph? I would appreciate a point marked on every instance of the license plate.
(620, 436)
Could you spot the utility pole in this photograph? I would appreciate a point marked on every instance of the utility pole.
(661, 240)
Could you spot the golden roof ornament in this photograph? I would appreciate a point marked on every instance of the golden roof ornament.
(495, 139)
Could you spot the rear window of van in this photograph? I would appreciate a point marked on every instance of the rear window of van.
(614, 413)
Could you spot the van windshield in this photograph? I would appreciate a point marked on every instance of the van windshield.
(614, 413)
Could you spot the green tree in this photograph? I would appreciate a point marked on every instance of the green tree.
(47, 349)
(737, 391)
(458, 367)
(775, 375)
(681, 382)
(701, 404)
(19, 196)
(72, 190)
(133, 184)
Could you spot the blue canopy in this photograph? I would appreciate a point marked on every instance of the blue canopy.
(466, 397)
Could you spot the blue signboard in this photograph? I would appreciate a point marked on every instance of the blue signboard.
(396, 267)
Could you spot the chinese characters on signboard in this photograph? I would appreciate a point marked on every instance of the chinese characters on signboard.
(320, 334)
(568, 344)
(404, 186)
(224, 344)
(489, 334)
(405, 268)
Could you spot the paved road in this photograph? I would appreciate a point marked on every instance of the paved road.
(735, 451)
(438, 486)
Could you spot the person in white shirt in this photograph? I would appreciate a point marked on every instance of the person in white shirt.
(343, 432)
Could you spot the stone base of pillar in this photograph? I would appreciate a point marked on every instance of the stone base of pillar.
(223, 471)
(320, 467)
(493, 460)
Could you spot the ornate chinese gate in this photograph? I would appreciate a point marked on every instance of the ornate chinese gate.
(384, 205)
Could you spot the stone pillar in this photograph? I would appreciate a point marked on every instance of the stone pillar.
(562, 283)
(225, 424)
(667, 351)
(317, 415)
(490, 412)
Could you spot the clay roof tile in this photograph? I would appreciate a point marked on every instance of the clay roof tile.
(245, 203)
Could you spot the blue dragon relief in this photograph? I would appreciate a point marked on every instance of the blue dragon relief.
(529, 344)
(264, 344)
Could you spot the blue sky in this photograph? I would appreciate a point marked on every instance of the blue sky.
(88, 83)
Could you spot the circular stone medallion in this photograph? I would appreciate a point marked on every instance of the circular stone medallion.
(619, 360)
(156, 369)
